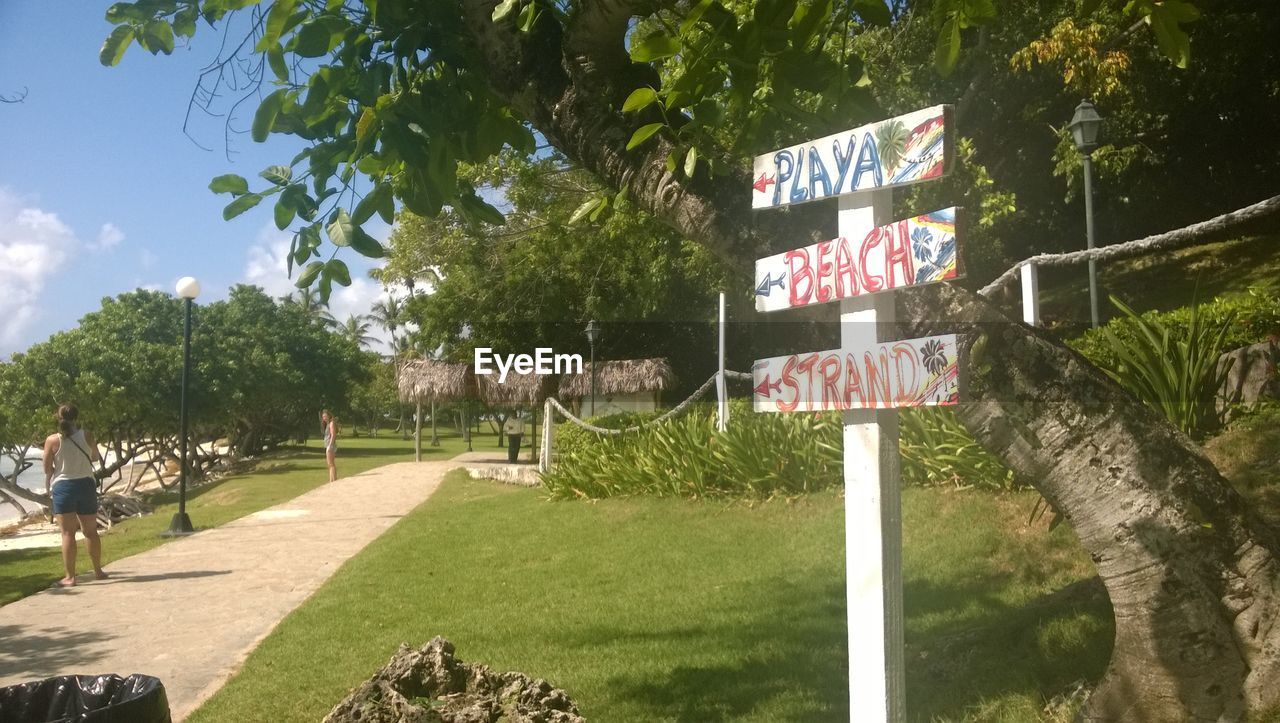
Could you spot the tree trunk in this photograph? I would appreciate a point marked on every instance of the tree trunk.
(1191, 573)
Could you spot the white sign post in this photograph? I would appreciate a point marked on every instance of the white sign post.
(872, 505)
(871, 374)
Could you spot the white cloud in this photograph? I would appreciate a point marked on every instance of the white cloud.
(34, 245)
(147, 259)
(267, 267)
(109, 236)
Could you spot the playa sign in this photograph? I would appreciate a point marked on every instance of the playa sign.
(895, 152)
(904, 253)
(869, 376)
(908, 373)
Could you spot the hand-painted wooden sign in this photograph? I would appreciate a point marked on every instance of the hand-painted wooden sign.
(913, 251)
(908, 373)
(894, 152)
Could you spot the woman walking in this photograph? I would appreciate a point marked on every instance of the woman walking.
(68, 479)
(330, 426)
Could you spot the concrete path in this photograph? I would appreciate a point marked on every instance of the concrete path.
(190, 611)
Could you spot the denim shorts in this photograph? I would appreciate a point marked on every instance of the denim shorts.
(78, 496)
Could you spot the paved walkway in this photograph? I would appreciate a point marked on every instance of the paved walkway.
(190, 611)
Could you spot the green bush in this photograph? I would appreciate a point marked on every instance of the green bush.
(1255, 316)
(937, 450)
(759, 456)
(1171, 365)
(571, 438)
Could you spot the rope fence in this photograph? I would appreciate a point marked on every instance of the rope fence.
(553, 406)
(1187, 236)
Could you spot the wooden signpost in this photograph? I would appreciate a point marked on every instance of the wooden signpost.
(869, 376)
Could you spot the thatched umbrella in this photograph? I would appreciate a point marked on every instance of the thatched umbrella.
(516, 390)
(626, 376)
(428, 380)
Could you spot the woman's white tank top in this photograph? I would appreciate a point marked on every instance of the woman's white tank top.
(69, 462)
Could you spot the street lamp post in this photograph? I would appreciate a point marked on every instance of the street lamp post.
(1084, 131)
(593, 334)
(188, 289)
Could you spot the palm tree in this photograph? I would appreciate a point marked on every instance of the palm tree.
(356, 328)
(308, 300)
(388, 314)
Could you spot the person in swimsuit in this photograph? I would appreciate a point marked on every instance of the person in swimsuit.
(330, 427)
(69, 481)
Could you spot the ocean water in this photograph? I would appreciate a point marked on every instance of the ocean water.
(32, 479)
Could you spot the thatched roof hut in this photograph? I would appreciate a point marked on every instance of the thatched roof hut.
(517, 390)
(628, 376)
(429, 380)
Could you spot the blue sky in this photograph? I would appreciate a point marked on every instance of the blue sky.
(100, 190)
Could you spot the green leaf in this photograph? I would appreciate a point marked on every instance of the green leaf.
(528, 16)
(639, 98)
(366, 245)
(277, 19)
(370, 203)
(643, 133)
(581, 212)
(809, 17)
(477, 208)
(229, 183)
(279, 175)
(873, 12)
(337, 270)
(240, 205)
(691, 162)
(265, 118)
(157, 37)
(309, 274)
(319, 36)
(114, 46)
(1172, 40)
(275, 58)
(504, 8)
(695, 14)
(947, 52)
(284, 212)
(184, 22)
(340, 229)
(655, 47)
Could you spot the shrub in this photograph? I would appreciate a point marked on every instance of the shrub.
(571, 438)
(937, 449)
(1171, 366)
(760, 455)
(1255, 317)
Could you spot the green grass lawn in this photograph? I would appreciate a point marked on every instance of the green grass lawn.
(277, 478)
(660, 609)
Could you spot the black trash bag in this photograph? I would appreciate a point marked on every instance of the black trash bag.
(86, 699)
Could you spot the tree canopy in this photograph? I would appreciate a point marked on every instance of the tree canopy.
(665, 101)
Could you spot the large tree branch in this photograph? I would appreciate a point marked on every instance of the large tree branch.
(1193, 574)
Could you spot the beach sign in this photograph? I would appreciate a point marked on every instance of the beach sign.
(869, 376)
(912, 251)
(921, 372)
(895, 152)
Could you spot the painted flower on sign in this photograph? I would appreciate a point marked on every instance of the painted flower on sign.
(922, 244)
(934, 356)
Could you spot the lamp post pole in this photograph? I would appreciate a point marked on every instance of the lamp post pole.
(1088, 230)
(1084, 127)
(188, 289)
(593, 333)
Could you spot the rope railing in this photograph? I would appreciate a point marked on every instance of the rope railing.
(1187, 236)
(674, 412)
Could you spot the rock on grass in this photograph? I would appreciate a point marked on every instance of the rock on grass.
(430, 685)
